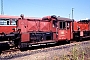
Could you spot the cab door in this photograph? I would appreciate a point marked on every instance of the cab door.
(64, 30)
(68, 30)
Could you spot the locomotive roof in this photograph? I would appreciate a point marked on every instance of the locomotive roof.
(58, 18)
(63, 19)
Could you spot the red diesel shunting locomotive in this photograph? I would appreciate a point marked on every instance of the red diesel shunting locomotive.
(45, 30)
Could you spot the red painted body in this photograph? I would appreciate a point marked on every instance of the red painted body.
(25, 37)
(33, 25)
(81, 25)
(46, 26)
(6, 29)
(75, 26)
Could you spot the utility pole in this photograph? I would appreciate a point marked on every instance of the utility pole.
(72, 13)
(2, 12)
(72, 21)
(69, 16)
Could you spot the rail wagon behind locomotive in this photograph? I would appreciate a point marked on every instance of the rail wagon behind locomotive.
(81, 30)
(45, 30)
(7, 23)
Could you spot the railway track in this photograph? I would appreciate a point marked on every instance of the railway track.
(37, 46)
(12, 53)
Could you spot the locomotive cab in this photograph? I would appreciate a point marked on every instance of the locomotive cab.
(64, 29)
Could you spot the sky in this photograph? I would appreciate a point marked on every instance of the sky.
(41, 8)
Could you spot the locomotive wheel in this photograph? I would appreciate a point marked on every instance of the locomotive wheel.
(22, 46)
(18, 47)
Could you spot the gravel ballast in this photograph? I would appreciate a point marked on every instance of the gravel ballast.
(67, 51)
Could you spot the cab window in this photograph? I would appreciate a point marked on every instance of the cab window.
(68, 24)
(62, 25)
(54, 23)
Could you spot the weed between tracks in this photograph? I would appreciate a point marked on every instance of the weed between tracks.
(76, 53)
